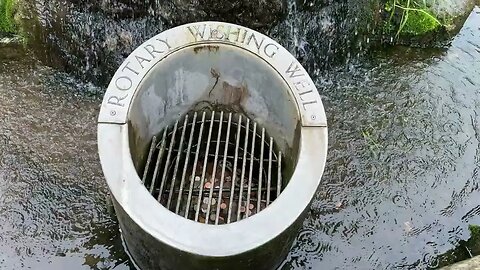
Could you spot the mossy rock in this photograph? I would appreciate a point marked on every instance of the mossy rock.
(419, 23)
(464, 250)
(7, 13)
(475, 233)
(424, 23)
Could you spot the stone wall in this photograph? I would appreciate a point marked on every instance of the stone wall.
(91, 38)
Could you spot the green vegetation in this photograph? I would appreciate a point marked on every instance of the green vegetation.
(370, 140)
(7, 11)
(464, 250)
(475, 232)
(411, 17)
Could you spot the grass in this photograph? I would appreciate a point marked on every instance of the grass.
(411, 17)
(370, 140)
(7, 11)
(475, 232)
(465, 249)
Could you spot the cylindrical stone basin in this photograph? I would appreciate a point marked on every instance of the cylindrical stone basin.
(213, 140)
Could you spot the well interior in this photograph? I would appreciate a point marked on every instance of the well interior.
(214, 78)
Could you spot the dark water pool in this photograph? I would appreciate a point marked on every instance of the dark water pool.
(401, 184)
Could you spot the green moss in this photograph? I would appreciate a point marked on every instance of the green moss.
(7, 12)
(464, 250)
(409, 17)
(475, 232)
(419, 23)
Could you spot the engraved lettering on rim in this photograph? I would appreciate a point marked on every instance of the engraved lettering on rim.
(129, 76)
(302, 86)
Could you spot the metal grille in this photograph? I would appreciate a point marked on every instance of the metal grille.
(214, 167)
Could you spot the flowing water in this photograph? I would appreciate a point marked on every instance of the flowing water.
(401, 185)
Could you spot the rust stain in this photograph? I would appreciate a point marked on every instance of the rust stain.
(234, 94)
(210, 48)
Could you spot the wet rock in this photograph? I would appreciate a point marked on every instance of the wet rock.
(452, 8)
(117, 8)
(251, 13)
(90, 44)
(91, 38)
(324, 33)
(427, 24)
(254, 14)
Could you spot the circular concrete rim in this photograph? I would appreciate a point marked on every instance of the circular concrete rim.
(125, 81)
(184, 234)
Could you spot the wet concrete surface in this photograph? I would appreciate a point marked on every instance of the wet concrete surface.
(401, 183)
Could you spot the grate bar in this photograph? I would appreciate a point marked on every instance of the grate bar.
(224, 165)
(260, 172)
(215, 190)
(159, 160)
(234, 175)
(167, 164)
(202, 181)
(269, 176)
(149, 158)
(242, 178)
(177, 163)
(279, 177)
(214, 171)
(187, 157)
(250, 174)
(229, 156)
(192, 179)
(193, 176)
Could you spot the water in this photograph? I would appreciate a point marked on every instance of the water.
(402, 178)
(401, 183)
(54, 206)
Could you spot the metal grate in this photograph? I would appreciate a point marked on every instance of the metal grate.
(214, 167)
